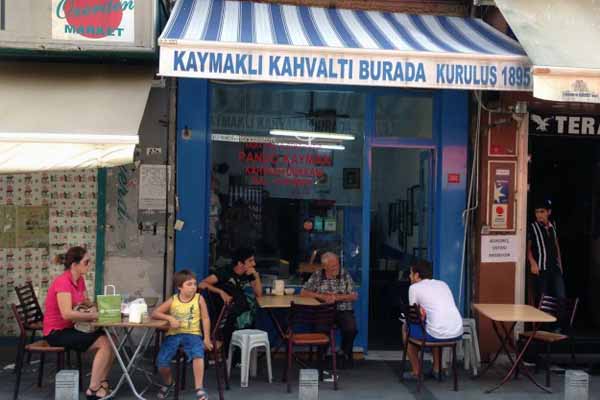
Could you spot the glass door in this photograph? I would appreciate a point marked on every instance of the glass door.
(401, 215)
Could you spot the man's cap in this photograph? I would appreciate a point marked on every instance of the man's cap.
(542, 202)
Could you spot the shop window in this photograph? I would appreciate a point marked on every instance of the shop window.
(286, 177)
(404, 116)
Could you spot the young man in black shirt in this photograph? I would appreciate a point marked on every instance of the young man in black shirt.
(229, 283)
(543, 253)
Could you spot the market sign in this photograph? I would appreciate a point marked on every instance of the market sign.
(563, 125)
(104, 28)
(95, 20)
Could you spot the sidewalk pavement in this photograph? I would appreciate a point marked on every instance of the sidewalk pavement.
(367, 380)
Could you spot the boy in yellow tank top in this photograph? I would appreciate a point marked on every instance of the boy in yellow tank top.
(184, 311)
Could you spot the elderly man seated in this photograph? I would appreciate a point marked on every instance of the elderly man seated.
(333, 284)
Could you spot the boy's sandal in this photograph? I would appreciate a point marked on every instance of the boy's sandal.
(166, 391)
(201, 394)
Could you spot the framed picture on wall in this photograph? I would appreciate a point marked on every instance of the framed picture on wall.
(351, 178)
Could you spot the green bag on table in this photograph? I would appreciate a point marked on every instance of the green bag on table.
(109, 306)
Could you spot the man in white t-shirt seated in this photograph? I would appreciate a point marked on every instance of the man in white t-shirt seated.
(443, 321)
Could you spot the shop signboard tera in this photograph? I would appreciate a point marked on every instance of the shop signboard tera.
(564, 125)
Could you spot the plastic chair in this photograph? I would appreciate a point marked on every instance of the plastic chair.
(470, 345)
(249, 341)
(41, 347)
(413, 317)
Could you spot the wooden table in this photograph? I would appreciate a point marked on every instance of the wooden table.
(285, 301)
(500, 314)
(121, 332)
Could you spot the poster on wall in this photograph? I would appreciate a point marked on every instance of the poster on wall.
(32, 227)
(501, 195)
(8, 226)
(153, 187)
(498, 248)
(93, 20)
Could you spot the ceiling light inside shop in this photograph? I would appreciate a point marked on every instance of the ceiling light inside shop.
(311, 135)
(305, 143)
(314, 145)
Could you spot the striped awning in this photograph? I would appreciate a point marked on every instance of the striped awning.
(244, 40)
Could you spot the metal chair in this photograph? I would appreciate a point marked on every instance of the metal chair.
(41, 347)
(33, 315)
(322, 318)
(413, 317)
(564, 310)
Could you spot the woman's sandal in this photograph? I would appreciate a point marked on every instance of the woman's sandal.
(94, 395)
(165, 391)
(201, 394)
(104, 385)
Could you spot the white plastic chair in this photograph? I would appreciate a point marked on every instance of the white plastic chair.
(472, 357)
(249, 341)
(468, 349)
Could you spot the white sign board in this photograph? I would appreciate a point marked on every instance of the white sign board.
(498, 248)
(93, 20)
(304, 66)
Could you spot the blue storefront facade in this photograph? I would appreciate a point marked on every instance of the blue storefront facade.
(398, 88)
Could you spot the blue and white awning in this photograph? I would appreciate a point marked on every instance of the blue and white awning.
(243, 40)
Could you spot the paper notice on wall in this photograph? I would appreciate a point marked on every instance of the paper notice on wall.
(153, 187)
(498, 248)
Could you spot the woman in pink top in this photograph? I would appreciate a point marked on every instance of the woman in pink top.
(64, 295)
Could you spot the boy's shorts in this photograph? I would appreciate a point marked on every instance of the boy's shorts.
(193, 345)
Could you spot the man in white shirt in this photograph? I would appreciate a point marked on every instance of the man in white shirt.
(443, 321)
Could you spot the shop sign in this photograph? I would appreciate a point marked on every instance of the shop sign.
(563, 125)
(371, 70)
(93, 20)
(498, 248)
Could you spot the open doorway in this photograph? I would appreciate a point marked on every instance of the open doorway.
(566, 170)
(400, 233)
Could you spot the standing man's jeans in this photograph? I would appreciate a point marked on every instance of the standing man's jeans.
(551, 283)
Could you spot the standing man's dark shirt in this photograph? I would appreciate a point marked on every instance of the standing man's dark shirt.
(544, 241)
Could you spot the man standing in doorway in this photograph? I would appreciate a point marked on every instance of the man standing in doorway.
(543, 253)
